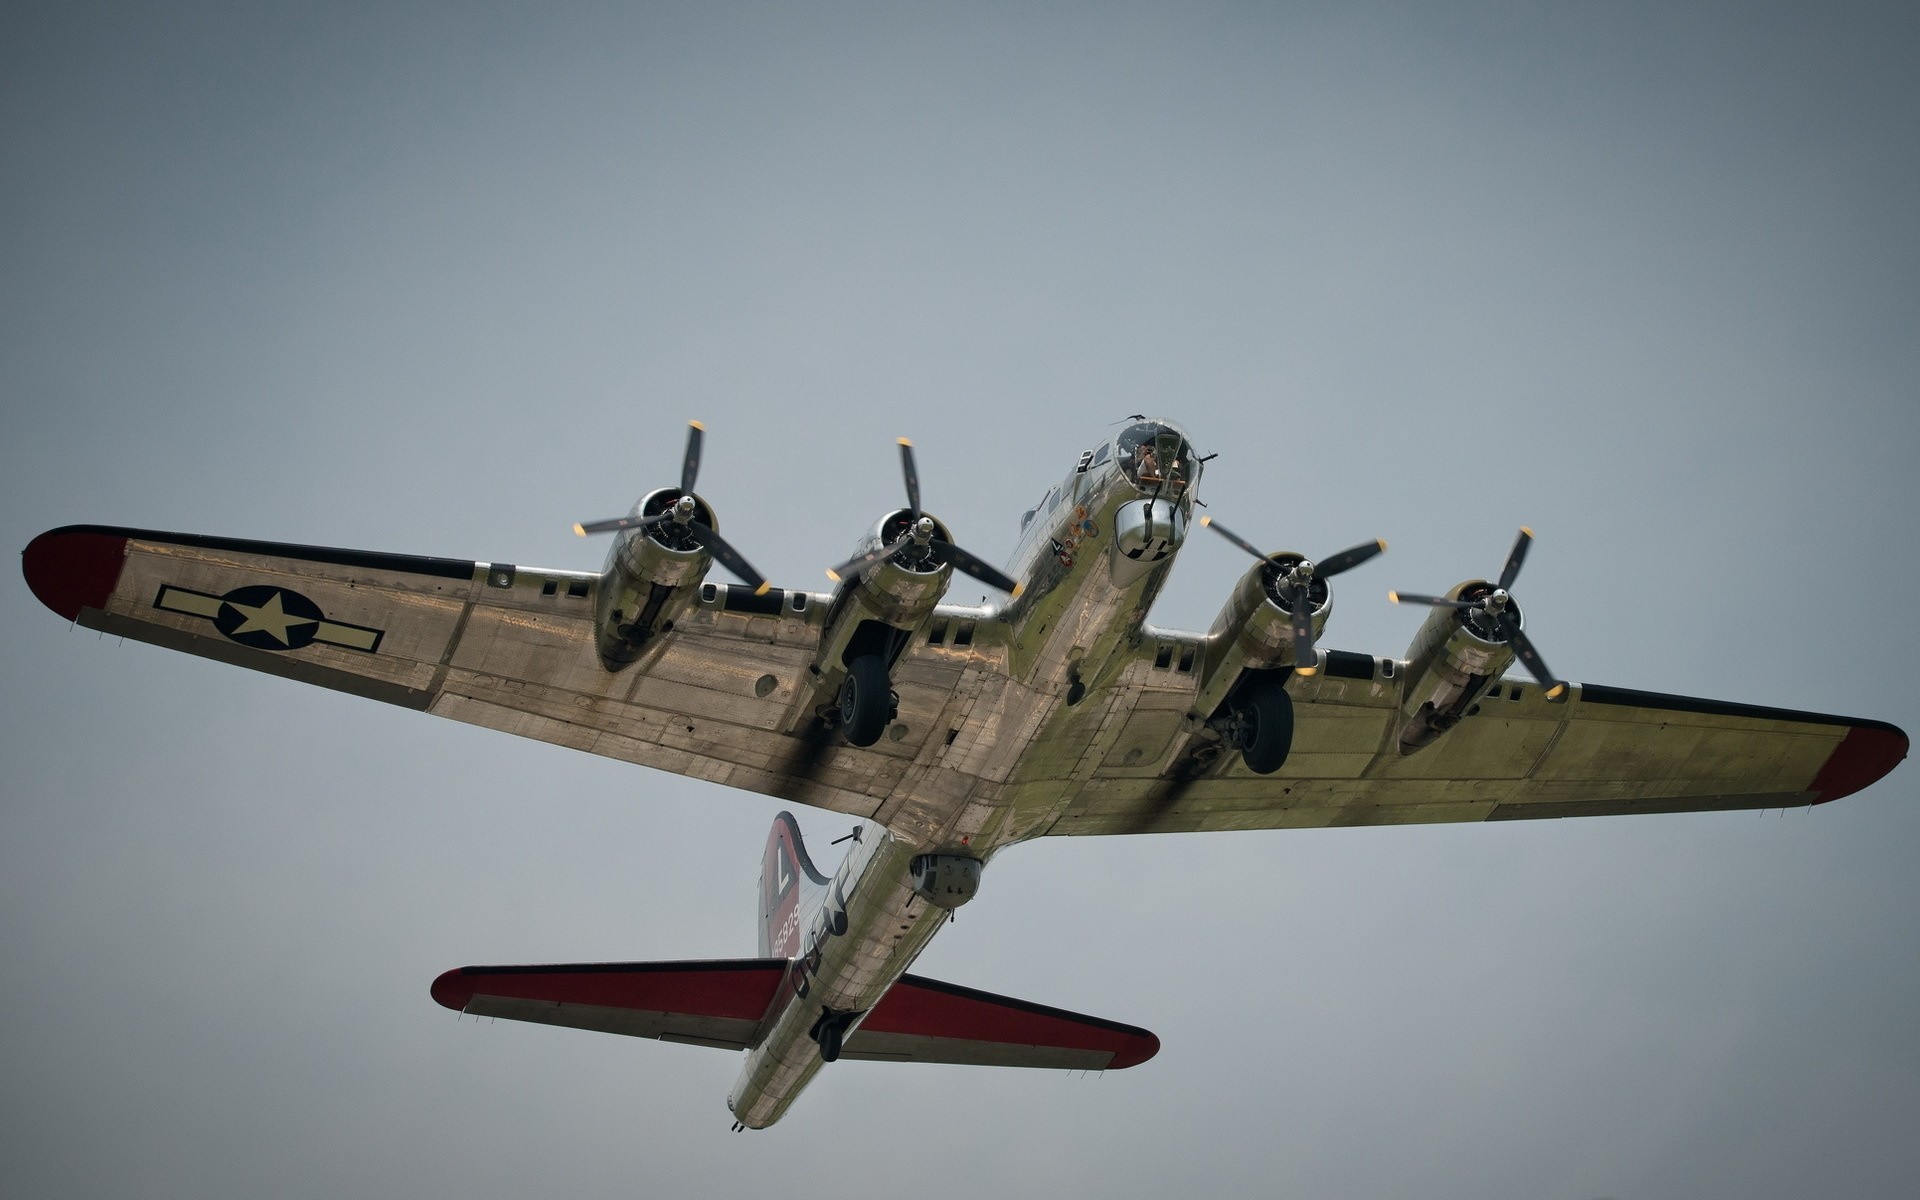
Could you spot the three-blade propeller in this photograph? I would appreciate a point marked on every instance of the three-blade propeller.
(1294, 582)
(921, 530)
(681, 512)
(1493, 611)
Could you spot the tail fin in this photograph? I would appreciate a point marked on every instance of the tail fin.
(788, 882)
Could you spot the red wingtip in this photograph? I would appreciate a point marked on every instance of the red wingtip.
(1867, 753)
(73, 568)
(452, 990)
(1138, 1050)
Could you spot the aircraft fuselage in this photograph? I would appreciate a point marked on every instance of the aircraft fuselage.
(1093, 555)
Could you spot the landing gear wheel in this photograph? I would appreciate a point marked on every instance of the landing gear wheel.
(866, 700)
(1263, 729)
(831, 1035)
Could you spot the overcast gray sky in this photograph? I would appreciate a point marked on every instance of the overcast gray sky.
(445, 279)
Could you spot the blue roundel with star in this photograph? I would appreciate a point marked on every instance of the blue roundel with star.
(268, 618)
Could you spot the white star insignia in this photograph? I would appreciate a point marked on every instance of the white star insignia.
(269, 618)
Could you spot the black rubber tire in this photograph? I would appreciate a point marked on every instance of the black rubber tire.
(1268, 714)
(831, 1035)
(866, 700)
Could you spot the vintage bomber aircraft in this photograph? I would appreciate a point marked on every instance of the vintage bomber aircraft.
(953, 731)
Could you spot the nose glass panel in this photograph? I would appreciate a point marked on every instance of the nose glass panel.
(1156, 458)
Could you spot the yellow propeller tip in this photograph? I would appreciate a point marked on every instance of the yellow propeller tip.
(1307, 670)
(579, 529)
(1556, 691)
(1017, 589)
(1206, 520)
(698, 425)
(763, 589)
(905, 442)
(1527, 529)
(833, 575)
(1394, 596)
(1380, 542)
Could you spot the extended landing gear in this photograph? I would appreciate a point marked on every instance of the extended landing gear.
(1259, 724)
(867, 701)
(831, 1032)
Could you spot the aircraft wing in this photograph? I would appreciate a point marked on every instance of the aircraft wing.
(491, 644)
(1516, 755)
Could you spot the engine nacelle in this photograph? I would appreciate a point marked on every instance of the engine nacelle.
(1449, 664)
(1254, 630)
(652, 575)
(875, 612)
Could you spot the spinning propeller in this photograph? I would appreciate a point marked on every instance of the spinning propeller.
(920, 535)
(1300, 585)
(1494, 615)
(690, 531)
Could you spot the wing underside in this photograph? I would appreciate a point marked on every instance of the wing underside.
(511, 648)
(1517, 755)
(497, 645)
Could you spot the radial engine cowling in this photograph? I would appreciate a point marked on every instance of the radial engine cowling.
(653, 574)
(875, 611)
(1449, 664)
(1254, 630)
(903, 589)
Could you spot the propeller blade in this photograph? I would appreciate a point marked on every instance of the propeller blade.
(1233, 537)
(1346, 560)
(690, 466)
(856, 566)
(1511, 571)
(728, 557)
(1523, 649)
(1434, 601)
(968, 564)
(619, 523)
(913, 477)
(1303, 632)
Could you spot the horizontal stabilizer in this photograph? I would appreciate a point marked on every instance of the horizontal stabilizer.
(924, 1020)
(725, 1003)
(720, 1002)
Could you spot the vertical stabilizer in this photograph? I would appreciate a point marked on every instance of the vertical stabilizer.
(789, 887)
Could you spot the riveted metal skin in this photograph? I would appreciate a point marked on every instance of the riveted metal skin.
(865, 934)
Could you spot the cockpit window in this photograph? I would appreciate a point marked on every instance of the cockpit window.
(1100, 455)
(1155, 457)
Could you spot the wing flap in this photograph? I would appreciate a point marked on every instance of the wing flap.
(925, 1020)
(720, 1002)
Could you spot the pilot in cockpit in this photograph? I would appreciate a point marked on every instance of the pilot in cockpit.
(1145, 465)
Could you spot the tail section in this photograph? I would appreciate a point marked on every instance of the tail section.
(789, 886)
(730, 1004)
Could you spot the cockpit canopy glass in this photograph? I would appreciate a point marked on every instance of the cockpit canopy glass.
(1156, 458)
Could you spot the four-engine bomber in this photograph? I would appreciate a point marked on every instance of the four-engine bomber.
(1059, 711)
